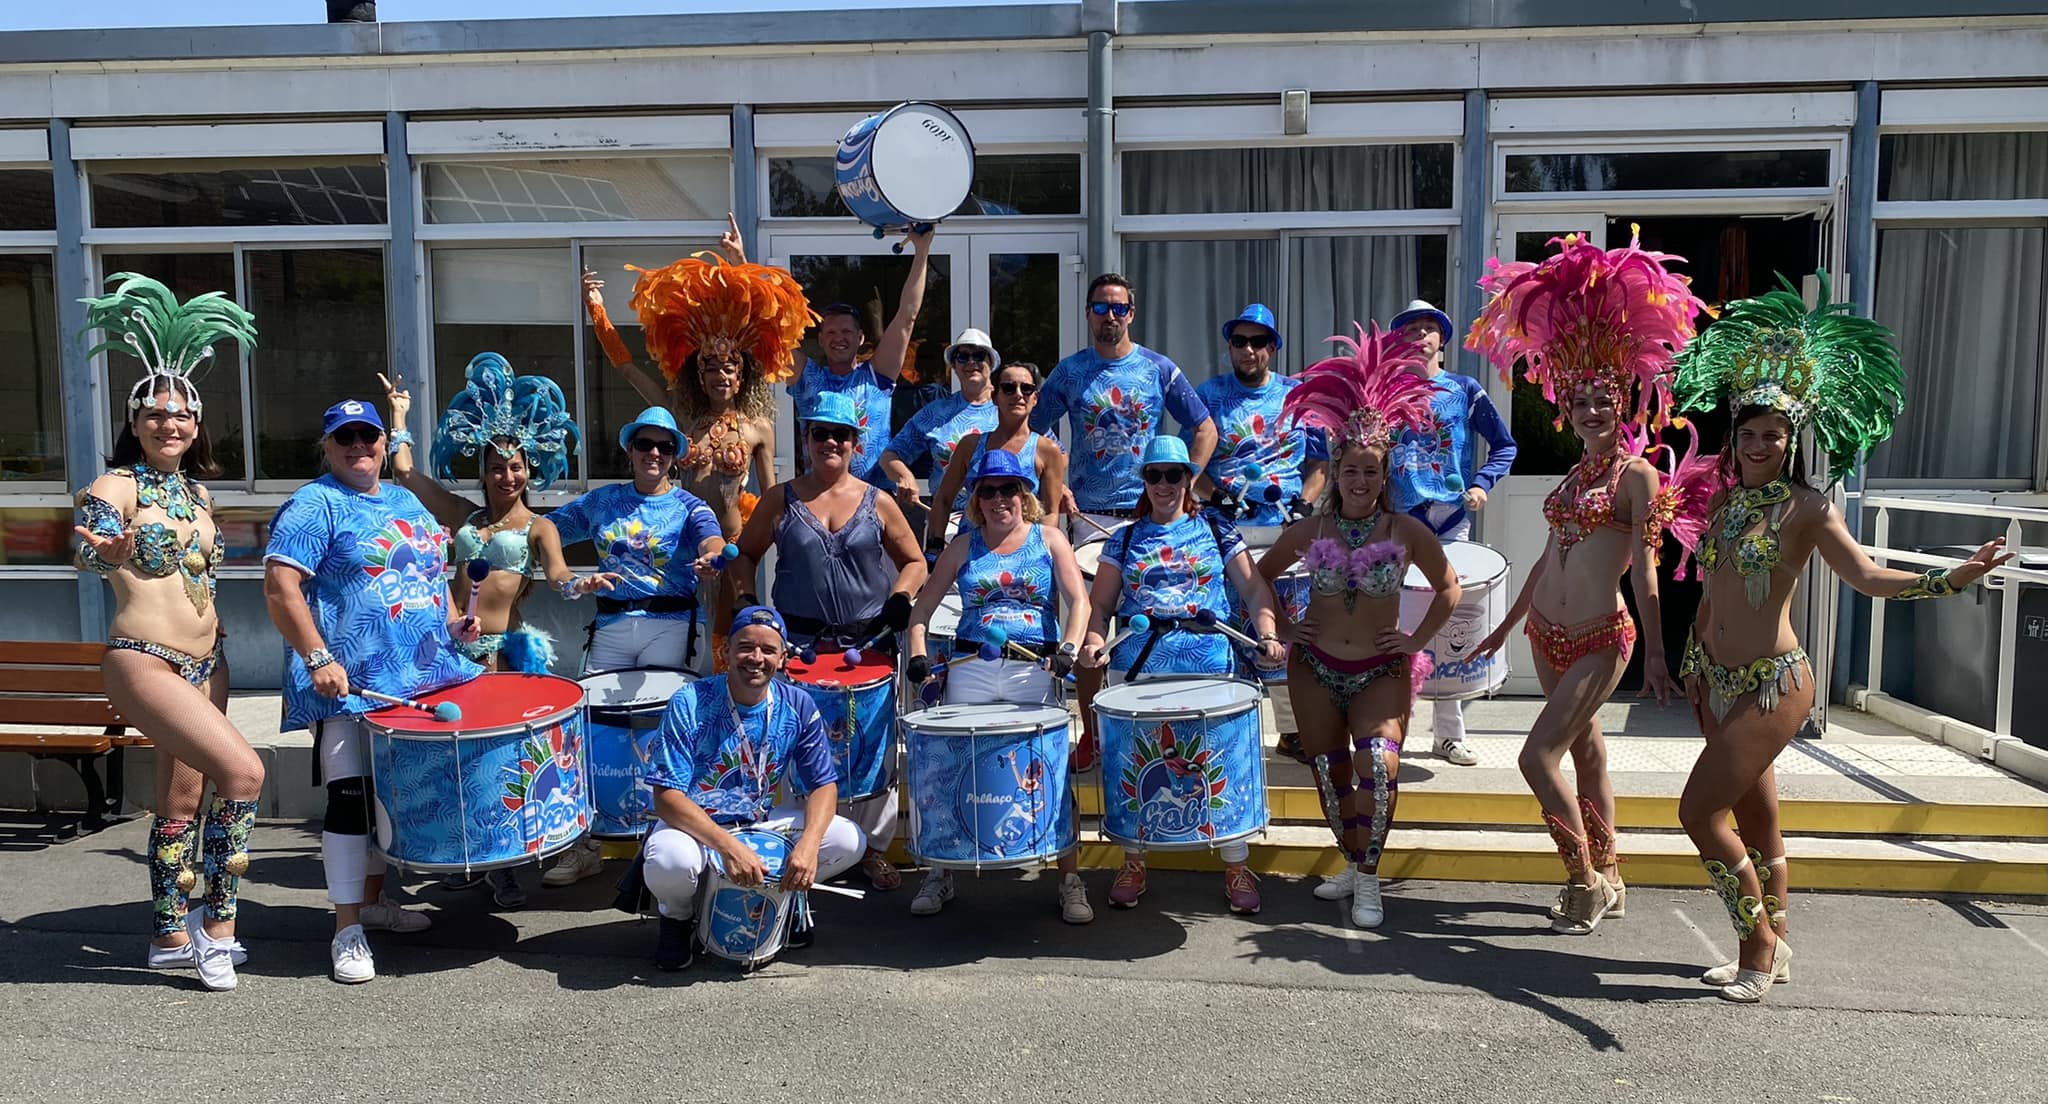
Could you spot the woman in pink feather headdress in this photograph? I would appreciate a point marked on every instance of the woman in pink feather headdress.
(1597, 329)
(1357, 549)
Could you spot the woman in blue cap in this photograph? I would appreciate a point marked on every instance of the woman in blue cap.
(846, 564)
(1009, 569)
(1174, 561)
(1015, 387)
(653, 540)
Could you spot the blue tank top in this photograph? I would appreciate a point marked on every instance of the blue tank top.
(1013, 590)
(838, 578)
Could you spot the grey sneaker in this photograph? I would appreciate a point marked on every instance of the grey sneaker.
(1074, 908)
(933, 894)
(383, 914)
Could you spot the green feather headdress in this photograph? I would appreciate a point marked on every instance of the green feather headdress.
(144, 319)
(1825, 368)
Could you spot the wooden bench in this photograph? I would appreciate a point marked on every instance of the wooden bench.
(58, 684)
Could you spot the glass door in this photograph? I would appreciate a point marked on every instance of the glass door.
(1026, 292)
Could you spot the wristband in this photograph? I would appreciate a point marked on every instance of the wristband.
(1930, 584)
(568, 589)
(400, 437)
(318, 658)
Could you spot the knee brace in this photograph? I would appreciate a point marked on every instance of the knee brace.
(348, 808)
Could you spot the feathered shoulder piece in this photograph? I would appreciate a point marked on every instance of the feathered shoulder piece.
(144, 319)
(1367, 397)
(1613, 318)
(498, 405)
(701, 302)
(1826, 368)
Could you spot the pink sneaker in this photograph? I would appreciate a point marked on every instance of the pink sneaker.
(1129, 884)
(1241, 886)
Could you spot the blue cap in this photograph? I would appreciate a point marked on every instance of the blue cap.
(758, 615)
(1167, 449)
(1004, 464)
(655, 417)
(1258, 314)
(349, 410)
(832, 408)
(1422, 308)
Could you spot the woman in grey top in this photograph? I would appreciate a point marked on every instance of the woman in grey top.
(846, 566)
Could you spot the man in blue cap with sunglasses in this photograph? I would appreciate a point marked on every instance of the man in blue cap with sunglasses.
(1436, 473)
(1290, 465)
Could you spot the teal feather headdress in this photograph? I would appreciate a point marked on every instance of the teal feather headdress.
(498, 405)
(144, 319)
(1825, 368)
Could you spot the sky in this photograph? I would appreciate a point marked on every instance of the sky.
(29, 15)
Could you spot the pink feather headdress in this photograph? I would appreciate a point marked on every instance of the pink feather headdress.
(1368, 397)
(1589, 316)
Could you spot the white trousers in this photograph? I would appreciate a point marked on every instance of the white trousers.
(676, 860)
(344, 748)
(1447, 718)
(876, 818)
(976, 680)
(629, 642)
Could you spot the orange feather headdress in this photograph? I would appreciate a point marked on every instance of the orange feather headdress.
(701, 302)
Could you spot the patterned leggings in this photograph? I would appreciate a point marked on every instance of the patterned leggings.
(172, 880)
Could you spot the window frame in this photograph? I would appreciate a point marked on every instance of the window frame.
(25, 489)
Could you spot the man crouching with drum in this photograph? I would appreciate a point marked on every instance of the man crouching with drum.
(724, 747)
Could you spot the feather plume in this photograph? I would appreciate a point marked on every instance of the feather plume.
(1366, 397)
(701, 299)
(498, 404)
(144, 319)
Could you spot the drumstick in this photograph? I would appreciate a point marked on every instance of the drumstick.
(1132, 626)
(1207, 621)
(1092, 523)
(843, 891)
(442, 711)
(478, 570)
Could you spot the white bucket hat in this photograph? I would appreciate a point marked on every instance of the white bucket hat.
(973, 338)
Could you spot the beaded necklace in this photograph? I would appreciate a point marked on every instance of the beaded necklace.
(169, 491)
(1757, 555)
(1584, 501)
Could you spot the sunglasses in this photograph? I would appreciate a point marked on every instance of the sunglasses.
(831, 434)
(1012, 387)
(1250, 341)
(1168, 476)
(654, 445)
(989, 492)
(349, 436)
(970, 356)
(1119, 310)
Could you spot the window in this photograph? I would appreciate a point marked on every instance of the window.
(27, 200)
(321, 338)
(1666, 170)
(31, 387)
(670, 189)
(609, 401)
(35, 535)
(350, 193)
(220, 383)
(1004, 184)
(518, 303)
(1299, 178)
(1963, 166)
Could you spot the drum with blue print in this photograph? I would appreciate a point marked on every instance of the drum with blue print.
(857, 702)
(1182, 766)
(621, 712)
(742, 924)
(1290, 592)
(504, 784)
(908, 166)
(989, 786)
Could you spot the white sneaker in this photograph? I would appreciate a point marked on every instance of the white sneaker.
(213, 957)
(1458, 752)
(1337, 886)
(180, 957)
(1367, 909)
(933, 894)
(585, 860)
(350, 953)
(383, 914)
(1074, 907)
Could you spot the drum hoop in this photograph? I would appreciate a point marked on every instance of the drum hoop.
(839, 687)
(1011, 728)
(512, 729)
(1183, 713)
(966, 143)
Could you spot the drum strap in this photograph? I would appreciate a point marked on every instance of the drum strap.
(825, 630)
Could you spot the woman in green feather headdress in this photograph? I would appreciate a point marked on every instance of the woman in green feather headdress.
(149, 529)
(1781, 370)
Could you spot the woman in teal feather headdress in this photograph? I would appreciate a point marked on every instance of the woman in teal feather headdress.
(149, 529)
(1781, 370)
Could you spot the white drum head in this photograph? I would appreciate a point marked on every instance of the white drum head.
(1175, 696)
(1258, 538)
(922, 161)
(1089, 556)
(638, 686)
(946, 619)
(1474, 562)
(965, 719)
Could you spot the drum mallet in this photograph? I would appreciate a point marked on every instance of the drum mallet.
(1207, 621)
(478, 570)
(998, 644)
(1242, 499)
(443, 711)
(1133, 625)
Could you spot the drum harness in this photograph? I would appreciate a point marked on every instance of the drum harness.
(1163, 625)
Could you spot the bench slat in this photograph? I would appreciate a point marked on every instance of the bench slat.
(51, 653)
(60, 711)
(59, 742)
(52, 680)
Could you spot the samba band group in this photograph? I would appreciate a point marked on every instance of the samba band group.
(1303, 538)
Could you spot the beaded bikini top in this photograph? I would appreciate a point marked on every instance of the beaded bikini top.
(1585, 500)
(159, 551)
(723, 448)
(1754, 554)
(1351, 564)
(505, 550)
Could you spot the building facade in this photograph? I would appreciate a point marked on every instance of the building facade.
(399, 197)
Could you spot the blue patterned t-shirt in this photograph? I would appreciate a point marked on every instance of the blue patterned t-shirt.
(872, 394)
(1015, 591)
(377, 586)
(1113, 409)
(1248, 431)
(936, 430)
(1438, 462)
(1174, 570)
(730, 758)
(649, 540)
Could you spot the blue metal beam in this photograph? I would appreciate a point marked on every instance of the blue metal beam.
(402, 285)
(1323, 17)
(746, 179)
(1860, 229)
(83, 401)
(1475, 174)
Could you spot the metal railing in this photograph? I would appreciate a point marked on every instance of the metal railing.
(2009, 603)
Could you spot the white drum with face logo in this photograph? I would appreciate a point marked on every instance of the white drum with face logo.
(1483, 577)
(911, 164)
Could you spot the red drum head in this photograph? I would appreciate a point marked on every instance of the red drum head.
(489, 701)
(831, 669)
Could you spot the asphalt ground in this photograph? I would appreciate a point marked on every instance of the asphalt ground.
(1463, 995)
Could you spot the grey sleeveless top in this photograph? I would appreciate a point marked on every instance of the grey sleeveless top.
(838, 578)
